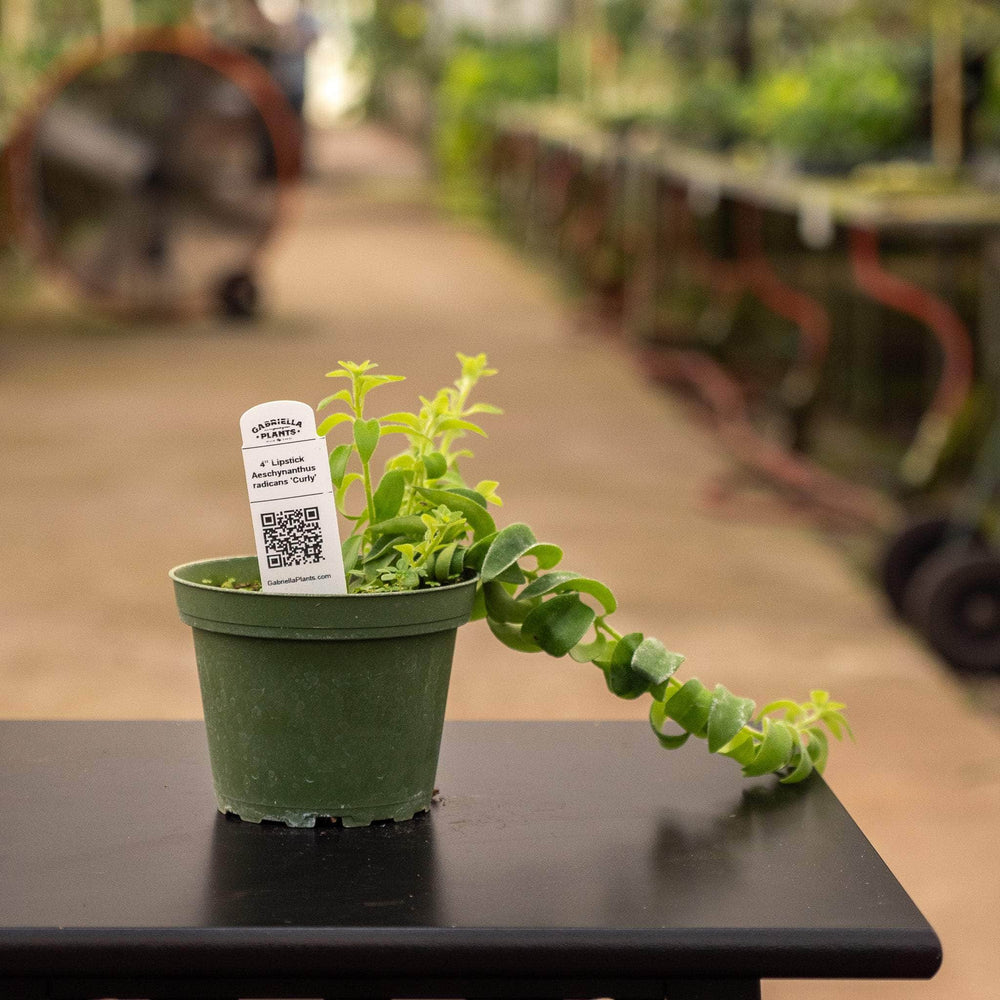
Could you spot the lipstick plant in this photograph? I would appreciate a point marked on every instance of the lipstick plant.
(418, 523)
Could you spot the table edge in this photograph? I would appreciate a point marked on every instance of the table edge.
(763, 953)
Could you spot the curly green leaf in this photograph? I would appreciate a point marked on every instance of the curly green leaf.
(562, 581)
(558, 624)
(512, 636)
(727, 715)
(775, 751)
(654, 661)
(619, 674)
(501, 605)
(657, 719)
(506, 548)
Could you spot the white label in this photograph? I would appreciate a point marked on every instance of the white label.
(291, 500)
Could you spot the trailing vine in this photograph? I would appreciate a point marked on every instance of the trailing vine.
(421, 525)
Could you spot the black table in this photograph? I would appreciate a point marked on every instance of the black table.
(571, 859)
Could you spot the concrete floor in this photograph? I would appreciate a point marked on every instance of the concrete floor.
(121, 458)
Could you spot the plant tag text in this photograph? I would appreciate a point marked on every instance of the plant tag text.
(291, 500)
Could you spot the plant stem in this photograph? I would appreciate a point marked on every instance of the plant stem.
(601, 624)
(369, 499)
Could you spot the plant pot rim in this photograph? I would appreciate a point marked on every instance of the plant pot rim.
(174, 575)
(313, 616)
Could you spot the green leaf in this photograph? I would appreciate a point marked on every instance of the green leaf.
(478, 606)
(501, 606)
(792, 709)
(657, 718)
(512, 574)
(338, 462)
(346, 483)
(689, 707)
(775, 751)
(350, 549)
(469, 495)
(366, 435)
(479, 520)
(595, 588)
(344, 396)
(481, 408)
(331, 421)
(588, 652)
(351, 368)
(548, 555)
(368, 382)
(409, 525)
(405, 462)
(742, 750)
(512, 636)
(407, 550)
(726, 717)
(435, 465)
(442, 563)
(487, 488)
(802, 769)
(408, 420)
(558, 624)
(548, 582)
(621, 679)
(654, 662)
(818, 748)
(477, 552)
(831, 722)
(506, 548)
(454, 424)
(382, 545)
(836, 722)
(564, 580)
(389, 495)
(396, 429)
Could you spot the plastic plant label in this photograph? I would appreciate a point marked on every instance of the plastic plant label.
(291, 500)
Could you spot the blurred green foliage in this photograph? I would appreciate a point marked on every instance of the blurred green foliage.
(476, 77)
(711, 111)
(843, 104)
(625, 21)
(391, 38)
(58, 26)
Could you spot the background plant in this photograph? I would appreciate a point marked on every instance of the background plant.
(843, 103)
(477, 76)
(421, 525)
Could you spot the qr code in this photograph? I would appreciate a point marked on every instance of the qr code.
(292, 537)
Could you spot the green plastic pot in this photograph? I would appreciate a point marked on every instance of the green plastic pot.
(321, 706)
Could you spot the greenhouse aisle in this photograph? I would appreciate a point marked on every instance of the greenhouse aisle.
(125, 448)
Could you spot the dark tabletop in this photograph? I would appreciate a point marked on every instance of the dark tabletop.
(568, 848)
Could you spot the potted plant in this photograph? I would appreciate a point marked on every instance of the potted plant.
(333, 705)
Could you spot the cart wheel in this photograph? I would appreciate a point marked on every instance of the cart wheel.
(954, 599)
(239, 297)
(908, 550)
